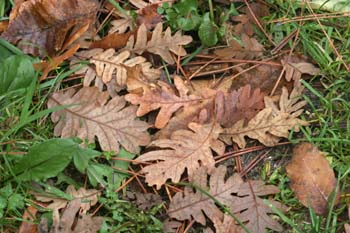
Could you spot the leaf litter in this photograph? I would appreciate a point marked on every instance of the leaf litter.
(125, 93)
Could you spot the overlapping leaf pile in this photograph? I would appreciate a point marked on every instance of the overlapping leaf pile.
(194, 125)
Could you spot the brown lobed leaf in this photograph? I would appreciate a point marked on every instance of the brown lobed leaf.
(164, 98)
(243, 199)
(109, 64)
(122, 24)
(161, 43)
(88, 197)
(113, 40)
(295, 67)
(40, 27)
(312, 178)
(28, 225)
(92, 115)
(85, 223)
(271, 123)
(186, 149)
(249, 48)
(149, 16)
(243, 104)
(225, 108)
(115, 70)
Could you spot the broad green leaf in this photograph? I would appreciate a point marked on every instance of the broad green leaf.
(207, 31)
(47, 159)
(97, 174)
(81, 159)
(185, 7)
(189, 23)
(16, 72)
(7, 50)
(6, 191)
(119, 176)
(15, 201)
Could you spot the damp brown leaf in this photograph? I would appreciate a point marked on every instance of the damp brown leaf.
(242, 198)
(242, 104)
(165, 98)
(90, 114)
(42, 27)
(185, 150)
(271, 123)
(312, 178)
(161, 43)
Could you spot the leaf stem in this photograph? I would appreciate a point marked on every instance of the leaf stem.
(211, 9)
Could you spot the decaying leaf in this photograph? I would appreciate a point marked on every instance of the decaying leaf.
(243, 199)
(296, 67)
(109, 64)
(113, 40)
(92, 115)
(161, 43)
(186, 149)
(40, 27)
(85, 223)
(29, 226)
(88, 197)
(249, 48)
(271, 123)
(242, 104)
(115, 71)
(142, 4)
(149, 16)
(312, 178)
(164, 98)
(121, 25)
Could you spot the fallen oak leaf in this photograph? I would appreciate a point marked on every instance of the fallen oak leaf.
(186, 149)
(161, 43)
(242, 198)
(114, 70)
(42, 26)
(165, 99)
(271, 123)
(85, 223)
(312, 178)
(113, 40)
(92, 115)
(28, 225)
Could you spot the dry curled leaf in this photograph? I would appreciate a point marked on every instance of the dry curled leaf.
(40, 27)
(29, 225)
(164, 98)
(92, 115)
(115, 70)
(121, 25)
(242, 198)
(161, 43)
(249, 48)
(89, 197)
(312, 178)
(114, 40)
(295, 67)
(149, 16)
(66, 224)
(271, 123)
(109, 64)
(186, 149)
